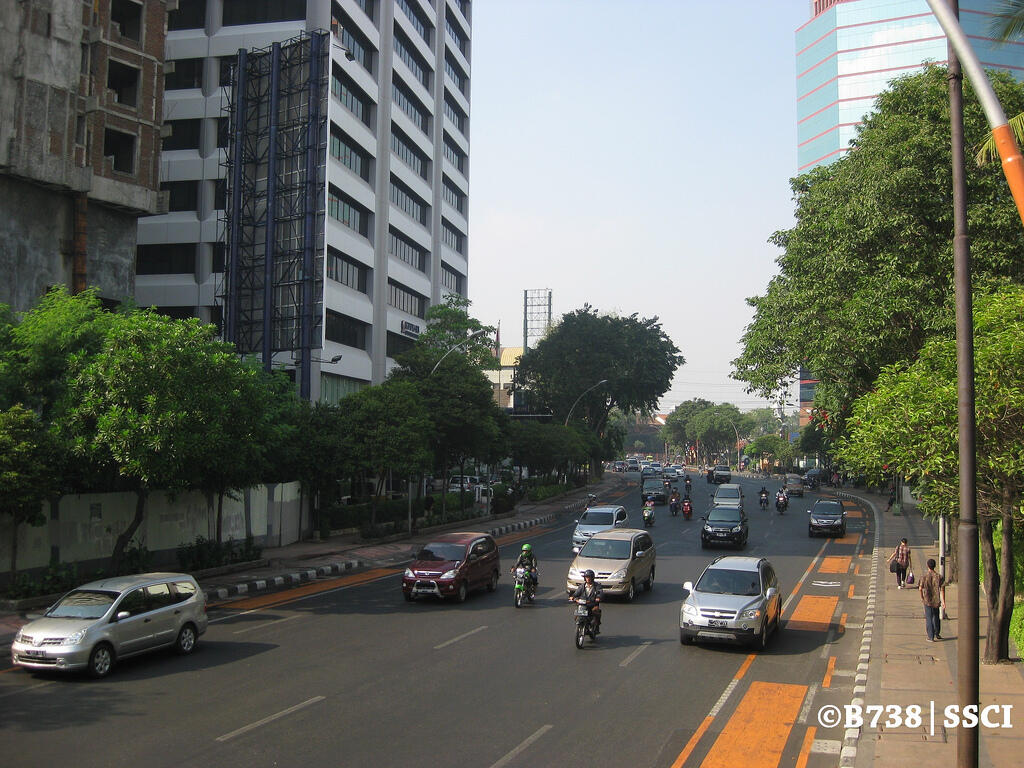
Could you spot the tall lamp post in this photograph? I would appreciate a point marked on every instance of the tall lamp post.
(465, 341)
(588, 389)
(737, 432)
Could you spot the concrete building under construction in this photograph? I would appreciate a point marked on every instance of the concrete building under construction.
(81, 108)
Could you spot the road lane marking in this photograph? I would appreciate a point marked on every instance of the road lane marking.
(805, 710)
(745, 666)
(24, 690)
(829, 670)
(835, 564)
(702, 728)
(813, 612)
(803, 578)
(635, 653)
(830, 584)
(842, 623)
(271, 718)
(692, 742)
(524, 745)
(512, 538)
(460, 637)
(849, 592)
(805, 749)
(756, 734)
(266, 624)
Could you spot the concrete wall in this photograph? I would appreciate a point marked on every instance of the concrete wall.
(82, 528)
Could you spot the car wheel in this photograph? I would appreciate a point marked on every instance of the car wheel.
(101, 660)
(761, 641)
(631, 591)
(684, 638)
(493, 583)
(186, 641)
(408, 597)
(703, 544)
(461, 594)
(810, 533)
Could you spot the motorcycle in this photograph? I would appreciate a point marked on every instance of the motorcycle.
(689, 486)
(781, 502)
(584, 622)
(673, 506)
(687, 509)
(524, 588)
(649, 514)
(764, 501)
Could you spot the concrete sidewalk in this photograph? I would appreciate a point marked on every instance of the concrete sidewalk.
(306, 561)
(905, 669)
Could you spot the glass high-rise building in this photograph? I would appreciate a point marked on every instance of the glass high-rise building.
(850, 50)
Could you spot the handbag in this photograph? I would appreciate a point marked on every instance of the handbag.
(892, 566)
(910, 577)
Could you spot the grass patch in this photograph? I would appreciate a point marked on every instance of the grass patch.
(1017, 626)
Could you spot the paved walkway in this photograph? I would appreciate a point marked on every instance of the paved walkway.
(306, 561)
(906, 669)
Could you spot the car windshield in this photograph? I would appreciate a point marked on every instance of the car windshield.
(654, 483)
(828, 508)
(722, 581)
(594, 517)
(442, 550)
(724, 515)
(83, 604)
(727, 493)
(606, 549)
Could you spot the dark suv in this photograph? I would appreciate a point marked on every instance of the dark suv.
(452, 565)
(725, 525)
(828, 517)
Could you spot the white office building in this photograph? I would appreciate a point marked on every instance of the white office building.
(395, 175)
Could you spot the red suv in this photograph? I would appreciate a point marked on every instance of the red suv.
(451, 565)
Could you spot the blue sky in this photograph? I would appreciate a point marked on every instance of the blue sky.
(634, 155)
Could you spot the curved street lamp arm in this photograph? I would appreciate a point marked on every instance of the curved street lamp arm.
(602, 381)
(466, 340)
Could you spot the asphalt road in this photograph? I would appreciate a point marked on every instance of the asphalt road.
(344, 672)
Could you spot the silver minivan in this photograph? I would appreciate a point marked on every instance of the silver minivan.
(95, 625)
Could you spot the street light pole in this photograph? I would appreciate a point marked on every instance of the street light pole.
(466, 340)
(602, 381)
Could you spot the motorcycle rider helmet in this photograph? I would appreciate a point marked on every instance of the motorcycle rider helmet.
(527, 547)
(588, 574)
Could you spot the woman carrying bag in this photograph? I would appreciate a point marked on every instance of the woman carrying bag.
(899, 563)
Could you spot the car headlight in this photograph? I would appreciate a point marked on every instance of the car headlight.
(409, 574)
(689, 610)
(737, 528)
(19, 638)
(450, 574)
(574, 573)
(707, 527)
(76, 638)
(751, 613)
(620, 574)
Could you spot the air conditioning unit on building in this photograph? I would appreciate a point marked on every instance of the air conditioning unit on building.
(169, 67)
(166, 131)
(93, 34)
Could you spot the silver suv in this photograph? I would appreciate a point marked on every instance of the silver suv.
(95, 625)
(597, 520)
(736, 599)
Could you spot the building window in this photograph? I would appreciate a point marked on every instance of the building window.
(166, 259)
(119, 150)
(403, 147)
(409, 104)
(406, 250)
(453, 238)
(455, 73)
(416, 18)
(456, 34)
(452, 280)
(225, 63)
(406, 299)
(263, 11)
(397, 344)
(348, 211)
(455, 114)
(346, 151)
(335, 388)
(464, 7)
(454, 196)
(126, 19)
(223, 132)
(406, 200)
(350, 37)
(349, 94)
(219, 256)
(183, 195)
(123, 83)
(346, 270)
(455, 155)
(184, 134)
(220, 194)
(188, 73)
(191, 14)
(346, 330)
(369, 8)
(404, 51)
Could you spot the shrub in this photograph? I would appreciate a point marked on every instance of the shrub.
(205, 553)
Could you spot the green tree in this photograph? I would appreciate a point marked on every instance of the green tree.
(678, 426)
(908, 423)
(316, 452)
(633, 355)
(143, 403)
(866, 274)
(718, 427)
(772, 447)
(29, 471)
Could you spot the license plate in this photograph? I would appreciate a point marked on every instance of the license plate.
(723, 534)
(716, 623)
(35, 654)
(581, 610)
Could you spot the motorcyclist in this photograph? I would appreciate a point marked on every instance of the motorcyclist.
(648, 510)
(763, 497)
(527, 560)
(591, 592)
(687, 505)
(781, 499)
(689, 485)
(674, 501)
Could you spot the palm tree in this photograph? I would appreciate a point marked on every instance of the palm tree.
(1007, 24)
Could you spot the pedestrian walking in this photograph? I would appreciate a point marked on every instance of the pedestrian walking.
(899, 563)
(931, 589)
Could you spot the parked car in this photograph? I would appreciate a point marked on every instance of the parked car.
(725, 525)
(465, 482)
(813, 477)
(453, 565)
(621, 560)
(99, 623)
(794, 485)
(721, 474)
(597, 520)
(736, 599)
(828, 517)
